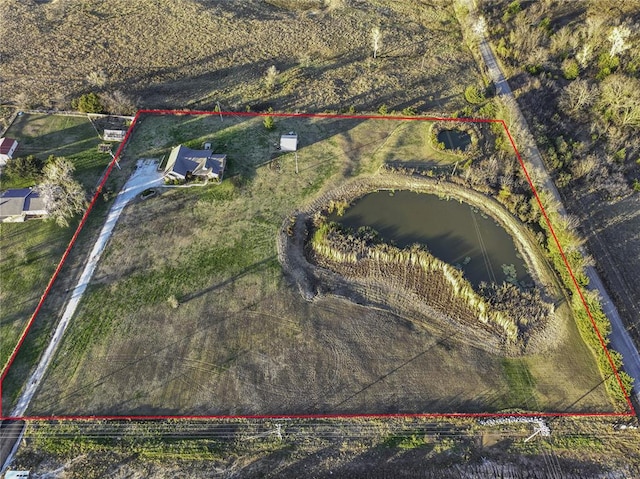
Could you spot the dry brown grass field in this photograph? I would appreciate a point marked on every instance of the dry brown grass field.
(242, 340)
(426, 448)
(190, 53)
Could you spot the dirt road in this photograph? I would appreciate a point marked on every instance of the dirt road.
(620, 339)
(145, 176)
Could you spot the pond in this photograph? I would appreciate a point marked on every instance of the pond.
(454, 139)
(454, 232)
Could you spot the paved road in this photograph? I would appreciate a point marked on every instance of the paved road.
(620, 339)
(145, 176)
(10, 436)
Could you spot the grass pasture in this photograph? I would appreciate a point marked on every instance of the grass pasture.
(30, 251)
(242, 340)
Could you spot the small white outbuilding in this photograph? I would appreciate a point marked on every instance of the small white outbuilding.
(114, 135)
(17, 475)
(289, 142)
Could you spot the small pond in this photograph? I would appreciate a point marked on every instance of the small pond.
(454, 139)
(455, 232)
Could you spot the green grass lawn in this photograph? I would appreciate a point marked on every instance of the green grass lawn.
(241, 340)
(73, 137)
(30, 251)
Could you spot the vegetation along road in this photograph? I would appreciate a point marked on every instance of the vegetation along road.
(620, 339)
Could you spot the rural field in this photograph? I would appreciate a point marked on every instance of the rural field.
(374, 448)
(30, 251)
(142, 55)
(193, 310)
(189, 311)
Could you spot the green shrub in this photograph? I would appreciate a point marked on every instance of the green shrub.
(88, 103)
(24, 167)
(502, 49)
(383, 109)
(545, 24)
(533, 69)
(512, 9)
(268, 122)
(607, 65)
(473, 95)
(570, 69)
(409, 111)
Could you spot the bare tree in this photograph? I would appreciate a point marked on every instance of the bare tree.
(584, 55)
(270, 77)
(576, 97)
(620, 100)
(585, 167)
(118, 103)
(376, 40)
(63, 196)
(97, 78)
(618, 38)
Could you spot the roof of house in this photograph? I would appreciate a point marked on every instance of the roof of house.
(183, 160)
(6, 144)
(19, 201)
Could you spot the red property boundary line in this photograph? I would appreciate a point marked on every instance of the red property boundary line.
(16, 349)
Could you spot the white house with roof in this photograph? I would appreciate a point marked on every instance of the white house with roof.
(21, 204)
(185, 163)
(7, 148)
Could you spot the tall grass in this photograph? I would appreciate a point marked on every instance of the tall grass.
(332, 243)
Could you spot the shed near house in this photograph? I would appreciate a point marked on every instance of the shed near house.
(114, 135)
(21, 204)
(184, 162)
(289, 142)
(17, 475)
(7, 148)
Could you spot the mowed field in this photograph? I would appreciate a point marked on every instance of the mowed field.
(30, 251)
(242, 340)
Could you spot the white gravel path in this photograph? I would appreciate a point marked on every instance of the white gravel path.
(145, 176)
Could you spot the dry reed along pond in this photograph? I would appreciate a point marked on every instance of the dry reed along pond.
(454, 232)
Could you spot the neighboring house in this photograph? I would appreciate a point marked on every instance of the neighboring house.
(20, 205)
(7, 147)
(185, 163)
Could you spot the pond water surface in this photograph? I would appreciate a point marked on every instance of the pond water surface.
(454, 139)
(455, 232)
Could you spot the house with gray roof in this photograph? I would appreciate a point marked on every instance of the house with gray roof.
(185, 163)
(21, 204)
